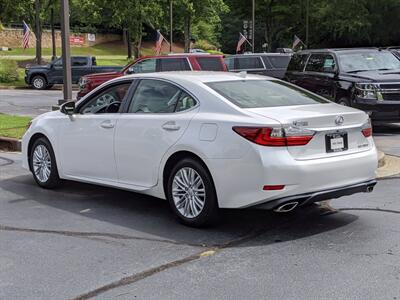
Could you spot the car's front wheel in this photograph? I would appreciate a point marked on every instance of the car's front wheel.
(191, 193)
(43, 164)
(39, 82)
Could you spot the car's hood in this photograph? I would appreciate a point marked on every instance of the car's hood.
(377, 76)
(38, 67)
(107, 75)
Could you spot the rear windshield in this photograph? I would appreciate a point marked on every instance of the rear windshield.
(210, 63)
(264, 93)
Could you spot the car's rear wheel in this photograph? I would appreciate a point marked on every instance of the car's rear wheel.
(43, 164)
(191, 193)
(39, 82)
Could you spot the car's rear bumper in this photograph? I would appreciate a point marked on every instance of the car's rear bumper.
(307, 198)
(239, 183)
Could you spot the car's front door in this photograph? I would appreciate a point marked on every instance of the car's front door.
(319, 75)
(55, 74)
(86, 139)
(155, 119)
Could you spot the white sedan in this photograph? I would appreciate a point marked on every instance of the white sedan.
(205, 141)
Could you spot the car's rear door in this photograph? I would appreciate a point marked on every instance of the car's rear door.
(154, 120)
(80, 66)
(295, 69)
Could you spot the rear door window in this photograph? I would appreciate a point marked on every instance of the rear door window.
(267, 63)
(173, 64)
(229, 61)
(249, 63)
(79, 61)
(210, 63)
(279, 62)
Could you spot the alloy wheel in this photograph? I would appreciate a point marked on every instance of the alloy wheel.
(38, 83)
(41, 162)
(188, 192)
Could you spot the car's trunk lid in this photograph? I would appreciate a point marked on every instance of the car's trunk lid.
(330, 122)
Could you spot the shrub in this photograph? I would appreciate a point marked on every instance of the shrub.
(205, 45)
(8, 71)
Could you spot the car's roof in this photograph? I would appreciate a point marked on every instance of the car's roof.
(198, 76)
(340, 50)
(179, 55)
(261, 54)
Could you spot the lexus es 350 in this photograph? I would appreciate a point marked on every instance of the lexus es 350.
(205, 141)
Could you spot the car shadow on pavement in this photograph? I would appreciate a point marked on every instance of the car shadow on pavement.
(143, 216)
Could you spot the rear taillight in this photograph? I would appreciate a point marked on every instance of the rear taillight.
(367, 129)
(275, 137)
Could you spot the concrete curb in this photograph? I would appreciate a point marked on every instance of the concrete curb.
(381, 159)
(10, 144)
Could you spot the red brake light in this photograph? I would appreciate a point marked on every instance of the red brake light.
(273, 187)
(275, 137)
(367, 129)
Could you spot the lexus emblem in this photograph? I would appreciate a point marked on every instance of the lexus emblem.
(339, 120)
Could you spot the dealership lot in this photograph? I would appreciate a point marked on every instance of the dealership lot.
(83, 241)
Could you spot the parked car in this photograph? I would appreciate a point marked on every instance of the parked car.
(368, 79)
(148, 64)
(45, 76)
(269, 64)
(206, 141)
(395, 50)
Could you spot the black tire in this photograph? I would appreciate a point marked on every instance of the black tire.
(344, 101)
(53, 180)
(209, 212)
(39, 82)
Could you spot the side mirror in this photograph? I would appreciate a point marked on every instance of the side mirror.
(131, 70)
(68, 108)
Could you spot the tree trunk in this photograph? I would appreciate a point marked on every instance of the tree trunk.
(138, 41)
(187, 33)
(129, 43)
(38, 33)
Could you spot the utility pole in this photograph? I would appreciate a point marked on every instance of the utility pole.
(307, 19)
(170, 26)
(53, 35)
(38, 33)
(66, 56)
(253, 17)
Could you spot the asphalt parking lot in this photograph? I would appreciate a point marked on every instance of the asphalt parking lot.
(83, 241)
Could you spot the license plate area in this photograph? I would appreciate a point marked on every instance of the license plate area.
(336, 142)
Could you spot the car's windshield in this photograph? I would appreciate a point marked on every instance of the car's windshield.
(264, 93)
(368, 61)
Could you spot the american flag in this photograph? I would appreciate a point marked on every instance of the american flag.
(241, 41)
(159, 41)
(25, 39)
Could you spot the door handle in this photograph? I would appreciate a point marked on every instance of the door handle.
(107, 124)
(171, 126)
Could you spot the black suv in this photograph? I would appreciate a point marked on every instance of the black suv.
(270, 64)
(367, 78)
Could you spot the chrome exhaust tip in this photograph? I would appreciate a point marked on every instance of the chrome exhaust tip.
(286, 207)
(370, 189)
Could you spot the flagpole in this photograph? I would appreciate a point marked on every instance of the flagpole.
(253, 24)
(170, 26)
